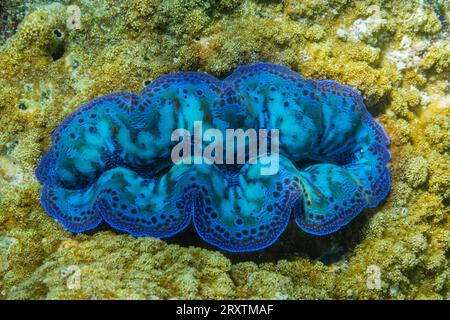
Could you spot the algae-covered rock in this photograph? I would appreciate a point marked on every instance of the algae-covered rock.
(5, 246)
(416, 171)
(55, 56)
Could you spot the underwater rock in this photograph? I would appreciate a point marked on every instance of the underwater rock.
(369, 29)
(5, 246)
(416, 171)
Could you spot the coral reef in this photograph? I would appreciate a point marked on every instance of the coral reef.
(394, 52)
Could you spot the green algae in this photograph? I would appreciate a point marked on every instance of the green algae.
(47, 70)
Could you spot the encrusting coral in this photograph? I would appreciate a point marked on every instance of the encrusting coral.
(53, 63)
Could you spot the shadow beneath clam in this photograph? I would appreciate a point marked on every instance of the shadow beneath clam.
(294, 242)
(379, 107)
